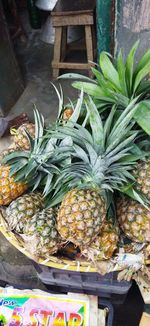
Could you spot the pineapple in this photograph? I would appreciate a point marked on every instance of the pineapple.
(99, 168)
(134, 219)
(9, 189)
(104, 244)
(20, 136)
(83, 210)
(23, 209)
(142, 175)
(42, 236)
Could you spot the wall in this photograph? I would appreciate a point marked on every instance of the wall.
(132, 23)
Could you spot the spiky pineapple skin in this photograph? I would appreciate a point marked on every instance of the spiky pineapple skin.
(44, 238)
(134, 219)
(23, 209)
(20, 138)
(105, 243)
(9, 189)
(80, 216)
(142, 175)
(10, 150)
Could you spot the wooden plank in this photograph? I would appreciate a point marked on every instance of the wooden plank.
(57, 50)
(69, 65)
(73, 20)
(89, 46)
(73, 7)
(64, 43)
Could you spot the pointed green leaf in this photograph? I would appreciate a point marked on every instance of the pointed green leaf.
(132, 193)
(130, 67)
(79, 152)
(75, 76)
(96, 124)
(89, 88)
(143, 62)
(142, 115)
(109, 70)
(141, 74)
(77, 111)
(121, 71)
(47, 187)
(60, 99)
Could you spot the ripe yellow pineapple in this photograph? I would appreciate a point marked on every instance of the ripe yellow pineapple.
(20, 137)
(81, 215)
(9, 189)
(104, 244)
(134, 219)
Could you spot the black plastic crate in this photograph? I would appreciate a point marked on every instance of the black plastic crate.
(104, 286)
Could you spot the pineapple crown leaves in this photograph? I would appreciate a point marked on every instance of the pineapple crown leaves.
(40, 166)
(103, 137)
(101, 157)
(118, 82)
(118, 76)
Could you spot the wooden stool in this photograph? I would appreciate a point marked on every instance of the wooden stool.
(72, 13)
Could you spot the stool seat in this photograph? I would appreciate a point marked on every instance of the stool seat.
(72, 13)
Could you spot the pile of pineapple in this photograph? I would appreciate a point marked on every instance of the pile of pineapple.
(83, 182)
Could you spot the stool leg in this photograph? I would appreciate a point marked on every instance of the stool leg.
(89, 46)
(64, 43)
(57, 51)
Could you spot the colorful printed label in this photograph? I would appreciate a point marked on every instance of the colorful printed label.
(35, 310)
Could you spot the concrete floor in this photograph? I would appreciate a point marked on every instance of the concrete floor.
(35, 63)
(34, 58)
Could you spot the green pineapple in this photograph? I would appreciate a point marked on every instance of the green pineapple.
(23, 209)
(42, 236)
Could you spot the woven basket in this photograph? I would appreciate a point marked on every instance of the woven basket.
(17, 241)
(56, 262)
